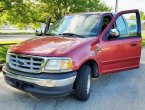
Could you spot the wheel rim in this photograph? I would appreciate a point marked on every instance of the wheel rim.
(88, 83)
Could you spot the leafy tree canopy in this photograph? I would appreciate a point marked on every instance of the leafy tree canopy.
(142, 15)
(34, 12)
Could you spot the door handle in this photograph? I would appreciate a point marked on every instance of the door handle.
(134, 43)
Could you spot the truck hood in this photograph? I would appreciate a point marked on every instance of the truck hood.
(47, 46)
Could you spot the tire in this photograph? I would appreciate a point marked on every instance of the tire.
(83, 83)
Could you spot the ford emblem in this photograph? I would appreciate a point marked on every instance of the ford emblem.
(20, 62)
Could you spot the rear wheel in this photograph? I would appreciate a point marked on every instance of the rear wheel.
(83, 83)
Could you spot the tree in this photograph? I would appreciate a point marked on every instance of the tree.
(142, 16)
(58, 8)
(24, 12)
(16, 12)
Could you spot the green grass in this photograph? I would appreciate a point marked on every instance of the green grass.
(143, 36)
(4, 45)
(3, 51)
(9, 42)
(143, 41)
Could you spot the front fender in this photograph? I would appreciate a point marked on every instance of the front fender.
(82, 54)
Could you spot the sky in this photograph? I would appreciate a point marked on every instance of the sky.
(126, 4)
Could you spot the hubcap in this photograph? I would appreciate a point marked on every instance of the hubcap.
(88, 83)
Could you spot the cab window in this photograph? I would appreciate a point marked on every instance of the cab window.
(106, 20)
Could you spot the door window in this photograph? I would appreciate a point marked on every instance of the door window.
(121, 27)
(127, 25)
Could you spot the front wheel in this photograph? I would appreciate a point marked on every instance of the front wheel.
(83, 83)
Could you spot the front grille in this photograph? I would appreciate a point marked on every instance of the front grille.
(25, 63)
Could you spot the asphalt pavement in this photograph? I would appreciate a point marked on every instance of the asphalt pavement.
(118, 91)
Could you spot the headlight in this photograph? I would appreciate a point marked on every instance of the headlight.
(58, 65)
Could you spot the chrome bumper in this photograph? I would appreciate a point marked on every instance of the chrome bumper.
(41, 82)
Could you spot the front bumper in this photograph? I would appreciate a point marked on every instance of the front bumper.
(53, 84)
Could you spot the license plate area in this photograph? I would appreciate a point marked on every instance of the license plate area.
(17, 83)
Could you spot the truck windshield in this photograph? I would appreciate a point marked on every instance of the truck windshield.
(79, 25)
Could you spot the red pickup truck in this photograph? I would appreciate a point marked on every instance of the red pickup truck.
(75, 49)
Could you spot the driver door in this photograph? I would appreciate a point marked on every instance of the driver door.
(122, 52)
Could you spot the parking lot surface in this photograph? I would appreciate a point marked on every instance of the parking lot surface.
(120, 91)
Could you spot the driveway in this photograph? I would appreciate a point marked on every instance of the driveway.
(120, 91)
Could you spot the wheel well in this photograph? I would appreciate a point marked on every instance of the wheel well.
(94, 67)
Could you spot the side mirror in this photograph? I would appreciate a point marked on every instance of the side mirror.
(39, 32)
(114, 33)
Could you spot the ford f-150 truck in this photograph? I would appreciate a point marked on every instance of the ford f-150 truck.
(72, 51)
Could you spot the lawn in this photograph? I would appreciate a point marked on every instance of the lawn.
(3, 51)
(4, 45)
(143, 41)
(9, 42)
(143, 36)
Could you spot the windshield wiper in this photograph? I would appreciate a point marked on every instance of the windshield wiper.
(71, 34)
